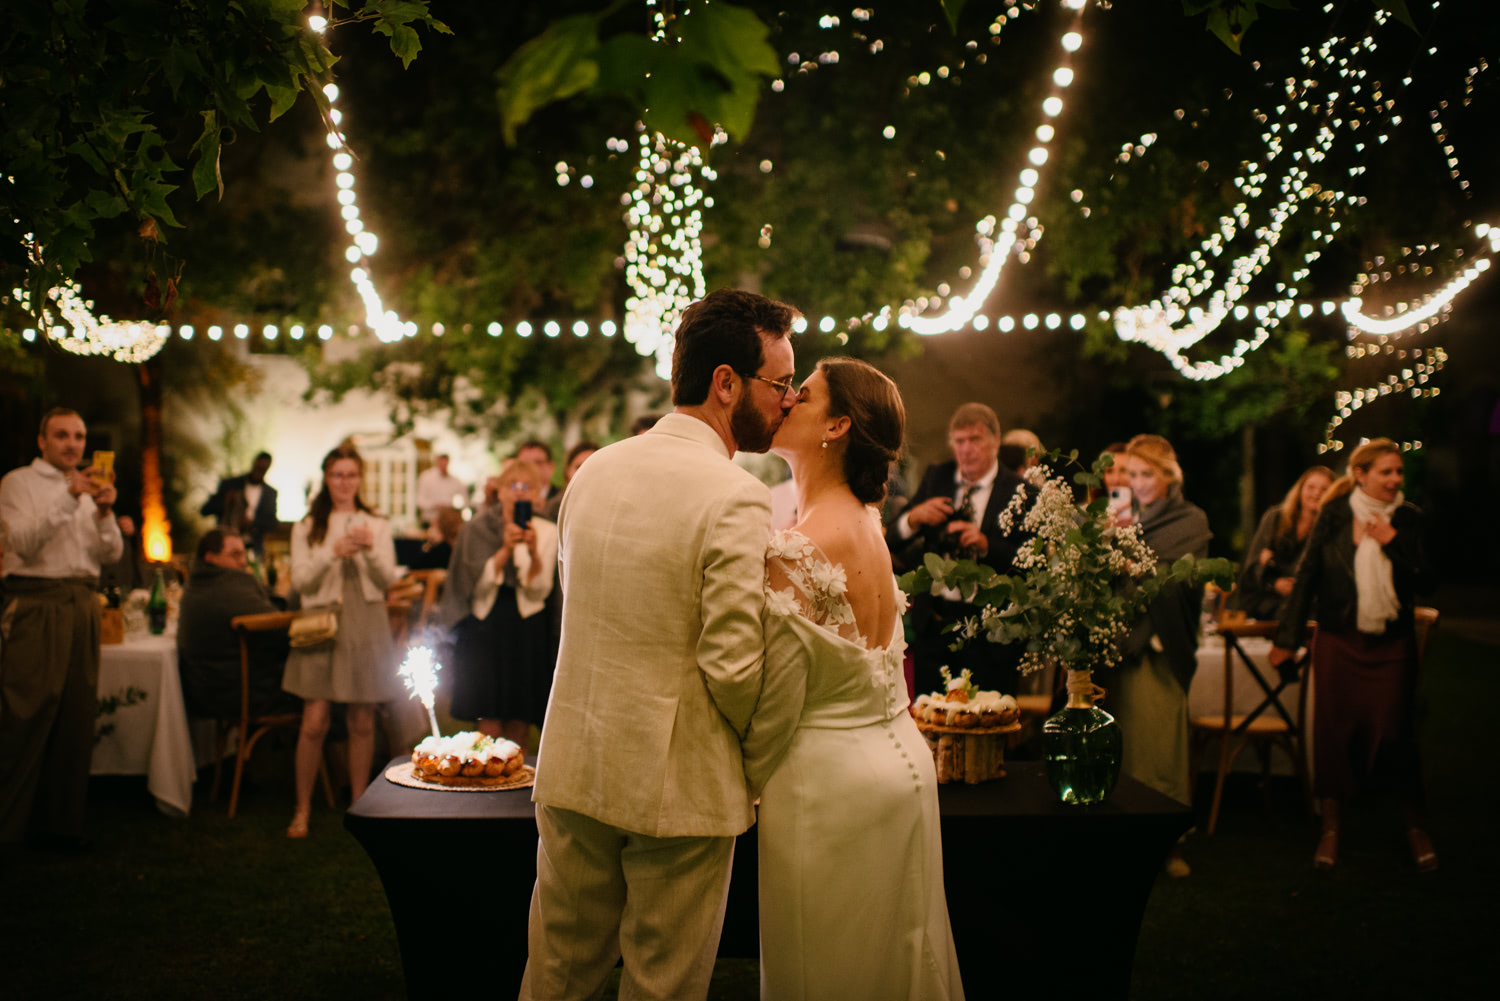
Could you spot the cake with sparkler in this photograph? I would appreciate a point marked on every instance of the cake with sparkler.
(467, 759)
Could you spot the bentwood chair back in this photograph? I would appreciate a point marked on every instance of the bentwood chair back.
(252, 726)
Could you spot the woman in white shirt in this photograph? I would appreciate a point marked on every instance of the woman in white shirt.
(502, 571)
(343, 556)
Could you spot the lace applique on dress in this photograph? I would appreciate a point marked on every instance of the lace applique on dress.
(800, 580)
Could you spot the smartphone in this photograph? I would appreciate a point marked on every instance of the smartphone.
(1119, 499)
(521, 515)
(102, 467)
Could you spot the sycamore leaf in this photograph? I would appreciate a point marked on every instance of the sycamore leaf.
(206, 175)
(558, 63)
(282, 99)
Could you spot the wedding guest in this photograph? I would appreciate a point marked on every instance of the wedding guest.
(343, 556)
(1266, 575)
(643, 423)
(59, 526)
(246, 505)
(1020, 449)
(437, 547)
(1149, 695)
(956, 513)
(131, 571)
(498, 581)
(219, 588)
(577, 456)
(539, 454)
(438, 489)
(1364, 563)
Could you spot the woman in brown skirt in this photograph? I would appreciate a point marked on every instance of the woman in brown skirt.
(1358, 575)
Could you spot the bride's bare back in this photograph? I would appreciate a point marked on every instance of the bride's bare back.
(849, 534)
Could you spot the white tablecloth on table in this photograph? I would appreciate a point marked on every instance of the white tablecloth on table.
(149, 738)
(1206, 697)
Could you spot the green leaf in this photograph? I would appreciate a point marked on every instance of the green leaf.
(282, 99)
(556, 64)
(206, 174)
(953, 8)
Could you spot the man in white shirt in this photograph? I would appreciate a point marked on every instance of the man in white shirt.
(641, 784)
(956, 512)
(437, 490)
(60, 529)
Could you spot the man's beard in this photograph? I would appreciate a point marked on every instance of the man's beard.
(751, 431)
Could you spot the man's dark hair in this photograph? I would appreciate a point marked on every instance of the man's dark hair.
(536, 443)
(212, 543)
(723, 328)
(262, 455)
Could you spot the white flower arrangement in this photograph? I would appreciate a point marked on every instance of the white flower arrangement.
(1080, 582)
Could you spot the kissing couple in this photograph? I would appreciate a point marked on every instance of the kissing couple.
(705, 663)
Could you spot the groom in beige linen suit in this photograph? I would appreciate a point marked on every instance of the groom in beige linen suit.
(640, 785)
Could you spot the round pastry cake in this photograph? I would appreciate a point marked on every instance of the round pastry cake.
(966, 707)
(467, 759)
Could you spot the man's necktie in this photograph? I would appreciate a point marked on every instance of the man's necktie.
(965, 512)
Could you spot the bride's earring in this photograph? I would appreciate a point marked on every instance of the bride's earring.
(825, 442)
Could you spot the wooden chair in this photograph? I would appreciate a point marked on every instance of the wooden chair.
(432, 581)
(1270, 724)
(251, 726)
(398, 614)
(1426, 620)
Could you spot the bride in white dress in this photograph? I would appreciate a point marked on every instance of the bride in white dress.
(851, 867)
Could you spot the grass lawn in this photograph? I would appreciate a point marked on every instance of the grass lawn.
(209, 907)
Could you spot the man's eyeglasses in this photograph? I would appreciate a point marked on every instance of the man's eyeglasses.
(782, 387)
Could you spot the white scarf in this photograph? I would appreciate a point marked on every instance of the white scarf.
(1372, 568)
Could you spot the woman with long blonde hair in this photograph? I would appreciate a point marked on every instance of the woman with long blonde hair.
(1365, 560)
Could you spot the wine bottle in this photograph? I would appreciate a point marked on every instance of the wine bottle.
(156, 606)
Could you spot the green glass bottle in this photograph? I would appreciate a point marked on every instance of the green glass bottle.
(156, 606)
(1082, 746)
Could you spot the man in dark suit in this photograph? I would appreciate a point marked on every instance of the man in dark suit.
(956, 513)
(246, 505)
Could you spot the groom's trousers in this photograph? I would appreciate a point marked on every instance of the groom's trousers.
(603, 893)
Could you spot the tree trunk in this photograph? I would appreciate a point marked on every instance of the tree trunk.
(1248, 513)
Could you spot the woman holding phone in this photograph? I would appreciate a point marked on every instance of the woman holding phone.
(343, 557)
(502, 571)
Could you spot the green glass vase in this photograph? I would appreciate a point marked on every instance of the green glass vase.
(1082, 746)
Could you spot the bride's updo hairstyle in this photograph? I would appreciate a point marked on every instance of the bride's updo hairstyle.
(877, 423)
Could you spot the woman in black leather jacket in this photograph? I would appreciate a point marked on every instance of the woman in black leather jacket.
(1358, 577)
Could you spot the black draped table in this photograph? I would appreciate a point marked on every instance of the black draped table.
(1036, 889)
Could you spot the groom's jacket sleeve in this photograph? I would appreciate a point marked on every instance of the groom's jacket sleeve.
(731, 646)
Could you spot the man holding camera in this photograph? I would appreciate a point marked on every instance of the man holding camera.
(60, 528)
(956, 513)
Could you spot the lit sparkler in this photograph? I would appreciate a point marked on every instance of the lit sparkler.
(420, 670)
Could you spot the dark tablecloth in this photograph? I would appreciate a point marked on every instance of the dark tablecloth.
(1028, 879)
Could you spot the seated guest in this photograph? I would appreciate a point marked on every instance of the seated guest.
(437, 547)
(1270, 564)
(208, 649)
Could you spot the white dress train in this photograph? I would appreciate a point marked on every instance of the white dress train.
(851, 860)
